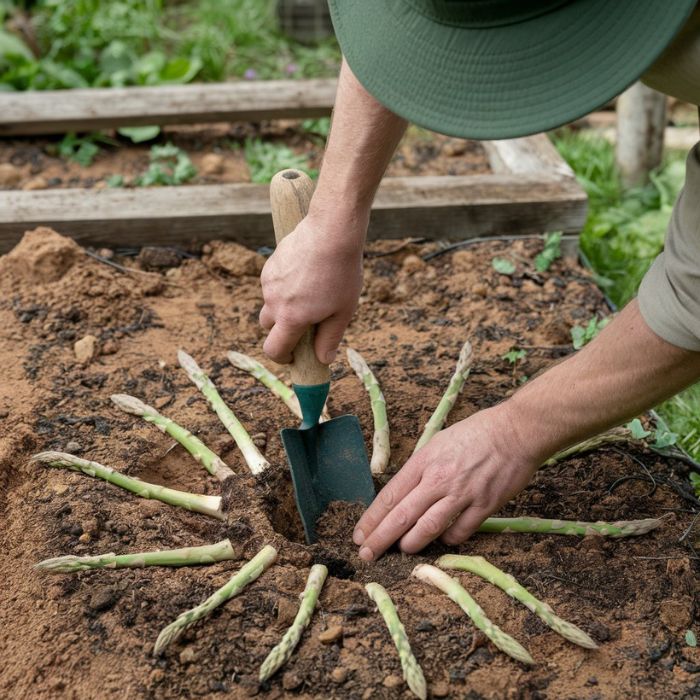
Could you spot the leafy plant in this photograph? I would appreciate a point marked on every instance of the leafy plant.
(81, 149)
(115, 180)
(695, 482)
(639, 432)
(513, 356)
(581, 335)
(690, 639)
(170, 165)
(317, 127)
(139, 134)
(550, 252)
(504, 266)
(265, 158)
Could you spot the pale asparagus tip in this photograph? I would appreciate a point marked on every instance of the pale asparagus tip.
(187, 363)
(241, 361)
(357, 362)
(130, 404)
(52, 456)
(465, 357)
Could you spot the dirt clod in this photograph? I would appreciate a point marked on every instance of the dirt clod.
(104, 598)
(339, 674)
(85, 349)
(392, 681)
(331, 634)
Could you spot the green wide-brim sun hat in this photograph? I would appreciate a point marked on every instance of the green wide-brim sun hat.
(492, 69)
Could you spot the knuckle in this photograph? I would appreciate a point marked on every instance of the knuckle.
(401, 517)
(431, 525)
(386, 497)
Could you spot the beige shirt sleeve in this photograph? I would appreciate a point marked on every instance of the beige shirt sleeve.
(669, 296)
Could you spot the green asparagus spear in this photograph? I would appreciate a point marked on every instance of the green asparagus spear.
(381, 449)
(437, 420)
(452, 587)
(255, 461)
(202, 454)
(507, 583)
(279, 656)
(412, 672)
(621, 528)
(245, 575)
(186, 556)
(209, 505)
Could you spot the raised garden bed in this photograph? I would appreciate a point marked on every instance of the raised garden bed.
(92, 634)
(517, 187)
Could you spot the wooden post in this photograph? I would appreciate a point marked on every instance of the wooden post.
(641, 119)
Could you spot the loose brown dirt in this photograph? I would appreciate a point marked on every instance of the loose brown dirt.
(91, 635)
(217, 151)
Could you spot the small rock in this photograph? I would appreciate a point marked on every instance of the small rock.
(103, 598)
(412, 264)
(440, 690)
(162, 401)
(290, 681)
(369, 692)
(73, 446)
(106, 253)
(392, 681)
(676, 614)
(188, 655)
(36, 183)
(59, 489)
(158, 257)
(109, 347)
(10, 175)
(212, 164)
(350, 643)
(149, 509)
(157, 675)
(85, 349)
(330, 635)
(480, 289)
(339, 674)
(286, 611)
(90, 525)
(260, 440)
(84, 538)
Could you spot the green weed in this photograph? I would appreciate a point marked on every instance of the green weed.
(582, 335)
(550, 252)
(265, 158)
(170, 165)
(503, 266)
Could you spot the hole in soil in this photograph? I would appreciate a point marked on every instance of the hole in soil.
(281, 508)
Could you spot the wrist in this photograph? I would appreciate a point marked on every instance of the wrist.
(344, 224)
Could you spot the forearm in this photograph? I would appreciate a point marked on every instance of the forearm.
(626, 370)
(363, 137)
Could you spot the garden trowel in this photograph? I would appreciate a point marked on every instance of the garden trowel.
(328, 460)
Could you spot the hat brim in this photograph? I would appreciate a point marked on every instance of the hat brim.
(506, 81)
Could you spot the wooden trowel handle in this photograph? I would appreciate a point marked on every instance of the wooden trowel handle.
(290, 194)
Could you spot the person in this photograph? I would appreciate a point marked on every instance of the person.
(488, 69)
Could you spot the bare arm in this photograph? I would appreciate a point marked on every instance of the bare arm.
(315, 275)
(468, 471)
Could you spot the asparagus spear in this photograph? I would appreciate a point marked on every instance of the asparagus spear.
(621, 528)
(452, 587)
(610, 437)
(202, 454)
(271, 381)
(187, 556)
(209, 505)
(255, 461)
(245, 575)
(437, 420)
(412, 672)
(284, 650)
(380, 442)
(507, 583)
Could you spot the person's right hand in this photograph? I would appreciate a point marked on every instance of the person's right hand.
(314, 277)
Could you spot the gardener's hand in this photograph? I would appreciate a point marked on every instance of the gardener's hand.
(313, 277)
(465, 473)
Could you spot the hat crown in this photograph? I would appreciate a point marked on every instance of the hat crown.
(484, 13)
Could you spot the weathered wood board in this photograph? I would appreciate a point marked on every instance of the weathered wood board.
(61, 111)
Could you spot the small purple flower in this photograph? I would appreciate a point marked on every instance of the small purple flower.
(250, 74)
(291, 68)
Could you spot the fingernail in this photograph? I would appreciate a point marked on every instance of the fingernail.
(358, 537)
(330, 356)
(367, 554)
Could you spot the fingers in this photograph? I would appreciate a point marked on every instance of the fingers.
(465, 526)
(329, 333)
(282, 340)
(431, 525)
(266, 318)
(400, 520)
(390, 496)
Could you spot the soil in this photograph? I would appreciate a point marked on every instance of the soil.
(91, 635)
(216, 150)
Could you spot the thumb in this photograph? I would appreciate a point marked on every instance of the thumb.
(329, 333)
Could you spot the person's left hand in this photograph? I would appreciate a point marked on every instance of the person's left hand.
(449, 487)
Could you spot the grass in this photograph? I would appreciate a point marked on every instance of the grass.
(623, 234)
(151, 42)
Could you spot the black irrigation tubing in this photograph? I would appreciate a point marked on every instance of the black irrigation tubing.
(479, 239)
